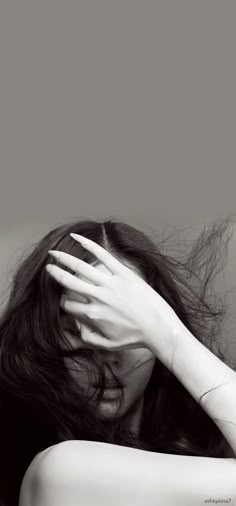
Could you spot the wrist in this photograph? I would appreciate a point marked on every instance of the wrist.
(162, 340)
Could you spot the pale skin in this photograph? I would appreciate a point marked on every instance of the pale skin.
(133, 366)
(133, 320)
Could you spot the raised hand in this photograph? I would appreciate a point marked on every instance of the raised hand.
(125, 310)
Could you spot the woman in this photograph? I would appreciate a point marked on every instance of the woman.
(112, 311)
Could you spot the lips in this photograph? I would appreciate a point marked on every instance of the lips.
(111, 394)
(108, 386)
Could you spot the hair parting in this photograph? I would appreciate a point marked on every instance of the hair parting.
(41, 403)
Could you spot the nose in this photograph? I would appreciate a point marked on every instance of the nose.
(112, 366)
(111, 357)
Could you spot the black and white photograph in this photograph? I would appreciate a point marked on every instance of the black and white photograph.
(117, 252)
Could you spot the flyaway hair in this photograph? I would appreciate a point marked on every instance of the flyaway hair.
(41, 403)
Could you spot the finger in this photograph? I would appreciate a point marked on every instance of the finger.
(80, 267)
(92, 339)
(102, 255)
(71, 295)
(84, 313)
(77, 339)
(74, 308)
(70, 281)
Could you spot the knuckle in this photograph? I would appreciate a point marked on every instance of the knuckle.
(109, 280)
(92, 313)
(64, 278)
(104, 296)
(93, 291)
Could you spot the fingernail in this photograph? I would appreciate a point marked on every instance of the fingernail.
(63, 298)
(78, 237)
(53, 253)
(49, 267)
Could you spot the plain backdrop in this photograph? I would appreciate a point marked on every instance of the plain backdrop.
(119, 109)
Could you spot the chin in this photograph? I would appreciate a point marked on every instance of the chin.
(109, 410)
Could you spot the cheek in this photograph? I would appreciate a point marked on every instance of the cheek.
(140, 378)
(147, 374)
(81, 370)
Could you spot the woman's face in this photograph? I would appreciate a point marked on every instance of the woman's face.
(132, 366)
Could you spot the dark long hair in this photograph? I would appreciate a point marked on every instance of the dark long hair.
(41, 404)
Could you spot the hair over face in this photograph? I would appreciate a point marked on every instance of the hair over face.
(40, 402)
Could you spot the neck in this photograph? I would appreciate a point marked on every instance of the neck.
(132, 418)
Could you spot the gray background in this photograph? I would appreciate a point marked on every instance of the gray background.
(120, 109)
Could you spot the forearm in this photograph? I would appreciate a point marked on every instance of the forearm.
(150, 478)
(92, 473)
(138, 477)
(201, 372)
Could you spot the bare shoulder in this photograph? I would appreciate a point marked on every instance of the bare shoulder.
(51, 470)
(51, 473)
(29, 479)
